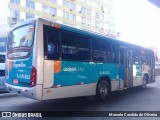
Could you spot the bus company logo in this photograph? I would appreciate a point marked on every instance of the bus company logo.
(19, 65)
(6, 114)
(69, 69)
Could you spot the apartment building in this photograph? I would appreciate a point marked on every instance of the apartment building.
(95, 15)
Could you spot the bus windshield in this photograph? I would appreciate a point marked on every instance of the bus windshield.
(21, 37)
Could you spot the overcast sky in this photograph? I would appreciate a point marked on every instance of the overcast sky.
(139, 22)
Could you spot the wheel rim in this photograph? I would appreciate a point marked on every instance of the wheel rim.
(103, 91)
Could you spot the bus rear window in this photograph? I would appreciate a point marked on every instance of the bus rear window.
(21, 37)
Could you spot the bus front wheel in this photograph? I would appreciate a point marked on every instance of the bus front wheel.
(103, 90)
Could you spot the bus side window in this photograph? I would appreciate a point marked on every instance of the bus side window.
(114, 53)
(53, 44)
(69, 44)
(83, 50)
(96, 50)
(101, 50)
(106, 51)
(136, 56)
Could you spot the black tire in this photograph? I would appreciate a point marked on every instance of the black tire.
(144, 82)
(103, 90)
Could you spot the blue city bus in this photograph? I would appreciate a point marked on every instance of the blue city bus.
(47, 60)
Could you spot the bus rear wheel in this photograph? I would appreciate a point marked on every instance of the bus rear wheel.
(144, 82)
(103, 90)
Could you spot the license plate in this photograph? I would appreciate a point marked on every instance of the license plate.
(15, 81)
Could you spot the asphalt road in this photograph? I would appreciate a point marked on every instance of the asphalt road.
(134, 99)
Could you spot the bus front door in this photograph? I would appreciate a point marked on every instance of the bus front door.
(125, 68)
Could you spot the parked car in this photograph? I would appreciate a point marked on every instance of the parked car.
(2, 71)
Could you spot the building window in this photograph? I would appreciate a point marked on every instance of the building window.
(44, 8)
(101, 25)
(69, 16)
(30, 4)
(97, 24)
(72, 16)
(54, 1)
(15, 15)
(83, 10)
(65, 3)
(88, 21)
(99, 15)
(52, 11)
(65, 15)
(83, 20)
(69, 5)
(15, 1)
(72, 6)
(28, 16)
(89, 11)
